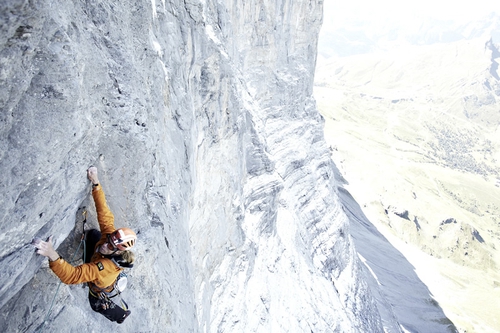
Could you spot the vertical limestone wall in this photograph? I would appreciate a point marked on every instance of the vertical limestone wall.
(199, 117)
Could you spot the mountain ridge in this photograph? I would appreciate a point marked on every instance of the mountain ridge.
(425, 120)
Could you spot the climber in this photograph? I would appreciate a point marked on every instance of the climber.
(107, 254)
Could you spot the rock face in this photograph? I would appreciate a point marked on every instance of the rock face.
(199, 117)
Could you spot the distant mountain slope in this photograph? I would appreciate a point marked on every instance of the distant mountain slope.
(416, 133)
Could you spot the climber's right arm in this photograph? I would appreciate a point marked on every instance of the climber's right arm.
(104, 216)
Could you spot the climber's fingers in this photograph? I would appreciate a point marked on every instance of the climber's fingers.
(92, 175)
(44, 248)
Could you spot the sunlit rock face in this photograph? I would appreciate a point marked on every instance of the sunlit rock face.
(199, 117)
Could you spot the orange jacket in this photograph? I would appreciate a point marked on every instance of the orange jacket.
(100, 271)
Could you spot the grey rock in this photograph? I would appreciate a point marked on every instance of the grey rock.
(200, 119)
(448, 221)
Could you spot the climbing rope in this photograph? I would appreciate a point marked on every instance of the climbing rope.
(82, 241)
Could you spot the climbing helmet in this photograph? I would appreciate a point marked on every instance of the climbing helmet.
(123, 239)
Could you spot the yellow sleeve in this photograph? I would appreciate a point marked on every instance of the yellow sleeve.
(102, 273)
(104, 216)
(74, 275)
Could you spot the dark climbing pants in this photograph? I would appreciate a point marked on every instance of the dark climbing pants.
(107, 308)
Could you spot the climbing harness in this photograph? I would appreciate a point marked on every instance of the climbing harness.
(72, 259)
(118, 287)
(105, 296)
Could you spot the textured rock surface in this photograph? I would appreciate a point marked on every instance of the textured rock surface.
(199, 117)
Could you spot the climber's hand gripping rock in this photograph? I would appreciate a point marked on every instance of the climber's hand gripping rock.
(92, 175)
(46, 249)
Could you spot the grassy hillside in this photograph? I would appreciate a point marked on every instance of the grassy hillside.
(416, 133)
